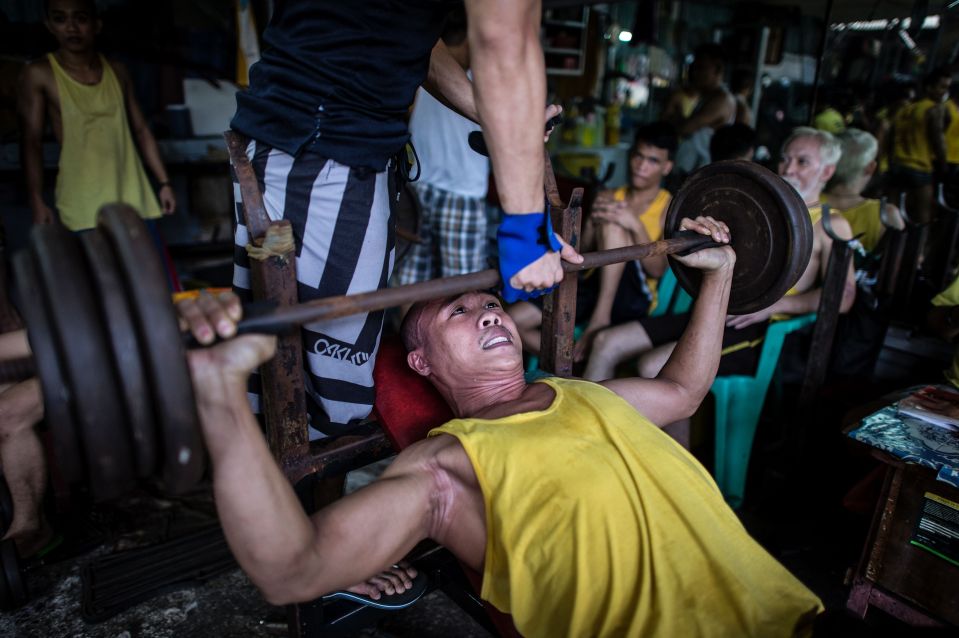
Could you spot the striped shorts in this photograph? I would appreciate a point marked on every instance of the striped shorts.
(342, 224)
(453, 230)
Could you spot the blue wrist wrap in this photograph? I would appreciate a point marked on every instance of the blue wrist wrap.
(523, 239)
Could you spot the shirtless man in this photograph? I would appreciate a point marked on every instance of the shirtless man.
(562, 493)
(91, 106)
(809, 159)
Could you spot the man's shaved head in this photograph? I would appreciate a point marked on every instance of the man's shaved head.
(414, 325)
(411, 330)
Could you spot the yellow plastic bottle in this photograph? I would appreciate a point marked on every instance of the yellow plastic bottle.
(612, 124)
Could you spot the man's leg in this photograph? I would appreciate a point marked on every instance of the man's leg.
(22, 462)
(609, 236)
(342, 226)
(919, 201)
(652, 361)
(528, 319)
(614, 345)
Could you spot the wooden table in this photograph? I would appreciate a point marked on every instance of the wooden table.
(904, 580)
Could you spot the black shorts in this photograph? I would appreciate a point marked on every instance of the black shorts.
(907, 179)
(632, 300)
(741, 348)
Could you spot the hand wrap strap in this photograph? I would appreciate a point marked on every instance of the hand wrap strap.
(522, 240)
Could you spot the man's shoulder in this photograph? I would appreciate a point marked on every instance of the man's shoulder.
(37, 69)
(119, 68)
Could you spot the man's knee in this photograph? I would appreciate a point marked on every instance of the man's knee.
(604, 344)
(613, 236)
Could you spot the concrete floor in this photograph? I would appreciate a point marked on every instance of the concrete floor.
(227, 606)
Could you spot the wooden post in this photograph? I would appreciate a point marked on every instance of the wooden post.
(273, 278)
(827, 318)
(559, 307)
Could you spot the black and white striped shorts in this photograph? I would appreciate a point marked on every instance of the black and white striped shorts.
(344, 245)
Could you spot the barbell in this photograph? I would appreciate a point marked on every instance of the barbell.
(112, 363)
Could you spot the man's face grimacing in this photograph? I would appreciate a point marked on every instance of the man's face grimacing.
(468, 337)
(801, 165)
(648, 165)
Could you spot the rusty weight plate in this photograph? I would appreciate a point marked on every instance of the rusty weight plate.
(769, 227)
(85, 351)
(115, 308)
(57, 407)
(181, 452)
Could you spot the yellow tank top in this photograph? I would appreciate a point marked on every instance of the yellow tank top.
(952, 133)
(864, 219)
(99, 163)
(950, 297)
(599, 524)
(688, 104)
(910, 141)
(651, 218)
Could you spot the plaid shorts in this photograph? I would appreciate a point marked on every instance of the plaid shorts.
(453, 230)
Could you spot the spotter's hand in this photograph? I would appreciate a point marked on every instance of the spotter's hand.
(546, 271)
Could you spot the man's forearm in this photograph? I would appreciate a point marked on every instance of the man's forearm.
(510, 92)
(32, 159)
(448, 83)
(267, 529)
(695, 360)
(151, 156)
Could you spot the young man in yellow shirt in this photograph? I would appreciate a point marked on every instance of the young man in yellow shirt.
(95, 117)
(631, 214)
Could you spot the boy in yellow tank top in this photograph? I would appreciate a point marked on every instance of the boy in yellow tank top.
(582, 516)
(95, 117)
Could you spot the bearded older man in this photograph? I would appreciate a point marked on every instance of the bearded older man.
(583, 517)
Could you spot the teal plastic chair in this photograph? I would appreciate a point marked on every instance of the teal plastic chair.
(670, 297)
(532, 364)
(739, 402)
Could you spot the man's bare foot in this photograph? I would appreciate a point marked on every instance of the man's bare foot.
(393, 580)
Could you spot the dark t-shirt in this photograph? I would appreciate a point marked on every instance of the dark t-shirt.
(336, 77)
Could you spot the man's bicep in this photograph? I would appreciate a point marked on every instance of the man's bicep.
(659, 400)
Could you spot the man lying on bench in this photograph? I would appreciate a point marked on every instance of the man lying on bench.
(583, 517)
